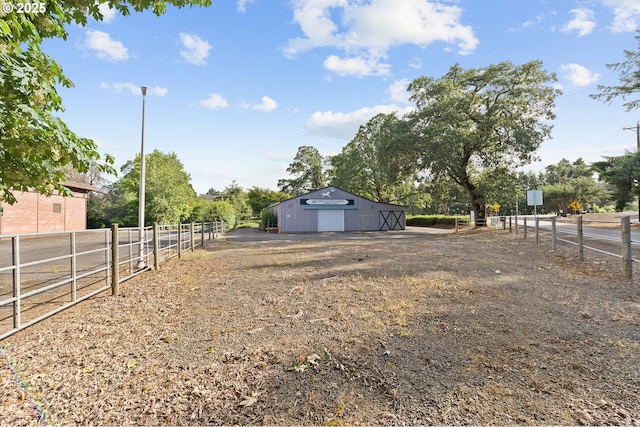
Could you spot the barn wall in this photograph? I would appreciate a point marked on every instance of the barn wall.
(362, 215)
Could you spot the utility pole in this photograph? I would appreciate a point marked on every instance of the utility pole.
(637, 151)
(637, 129)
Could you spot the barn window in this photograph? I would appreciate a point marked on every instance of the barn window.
(57, 208)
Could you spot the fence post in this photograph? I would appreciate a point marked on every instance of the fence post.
(553, 233)
(15, 254)
(627, 260)
(537, 230)
(202, 234)
(525, 228)
(156, 246)
(179, 240)
(456, 225)
(192, 236)
(516, 225)
(115, 261)
(74, 267)
(510, 225)
(580, 239)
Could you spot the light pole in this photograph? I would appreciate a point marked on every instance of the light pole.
(141, 263)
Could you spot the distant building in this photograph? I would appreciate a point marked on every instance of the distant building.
(36, 213)
(334, 209)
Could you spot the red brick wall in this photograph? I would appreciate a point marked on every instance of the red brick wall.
(34, 213)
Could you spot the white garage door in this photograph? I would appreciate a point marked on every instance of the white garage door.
(331, 220)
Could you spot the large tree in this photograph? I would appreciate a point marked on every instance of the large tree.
(367, 165)
(481, 119)
(308, 170)
(35, 145)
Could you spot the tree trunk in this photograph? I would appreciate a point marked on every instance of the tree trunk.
(477, 204)
(480, 213)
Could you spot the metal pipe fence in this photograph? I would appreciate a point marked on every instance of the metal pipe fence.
(611, 238)
(45, 273)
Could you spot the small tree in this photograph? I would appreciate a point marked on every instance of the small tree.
(259, 198)
(623, 173)
(221, 210)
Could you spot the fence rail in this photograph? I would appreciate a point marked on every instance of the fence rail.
(45, 273)
(615, 239)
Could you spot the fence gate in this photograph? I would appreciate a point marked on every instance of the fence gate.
(392, 220)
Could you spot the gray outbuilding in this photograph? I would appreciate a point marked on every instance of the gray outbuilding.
(334, 209)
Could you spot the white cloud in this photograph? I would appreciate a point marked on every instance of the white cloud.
(194, 50)
(398, 91)
(242, 5)
(214, 101)
(356, 66)
(582, 22)
(345, 125)
(105, 47)
(367, 30)
(266, 105)
(579, 75)
(627, 14)
(133, 89)
(416, 62)
(108, 14)
(533, 22)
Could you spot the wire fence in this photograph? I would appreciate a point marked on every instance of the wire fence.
(616, 239)
(45, 273)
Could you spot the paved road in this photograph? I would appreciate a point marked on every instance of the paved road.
(589, 231)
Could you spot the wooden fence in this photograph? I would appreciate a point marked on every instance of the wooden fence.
(612, 238)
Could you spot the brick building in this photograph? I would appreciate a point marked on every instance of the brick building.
(35, 213)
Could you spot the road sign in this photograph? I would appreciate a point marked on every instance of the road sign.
(534, 197)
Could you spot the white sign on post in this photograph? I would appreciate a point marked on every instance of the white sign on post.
(534, 198)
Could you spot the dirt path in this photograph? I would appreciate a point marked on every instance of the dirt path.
(370, 328)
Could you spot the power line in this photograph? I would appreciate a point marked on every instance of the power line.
(637, 129)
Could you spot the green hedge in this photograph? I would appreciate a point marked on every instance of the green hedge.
(427, 220)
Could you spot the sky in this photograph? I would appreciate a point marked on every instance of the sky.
(236, 88)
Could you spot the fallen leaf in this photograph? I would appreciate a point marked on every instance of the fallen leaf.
(250, 400)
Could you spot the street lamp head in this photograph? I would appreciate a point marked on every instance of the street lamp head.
(144, 90)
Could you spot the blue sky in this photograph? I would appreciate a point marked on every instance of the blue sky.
(236, 88)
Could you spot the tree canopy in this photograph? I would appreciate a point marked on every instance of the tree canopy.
(623, 173)
(169, 196)
(367, 165)
(308, 171)
(481, 119)
(35, 144)
(629, 86)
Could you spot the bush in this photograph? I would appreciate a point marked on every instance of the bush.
(268, 218)
(428, 220)
(221, 211)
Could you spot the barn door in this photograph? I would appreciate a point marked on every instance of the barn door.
(331, 220)
(391, 220)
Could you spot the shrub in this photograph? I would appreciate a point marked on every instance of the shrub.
(428, 220)
(268, 218)
(221, 211)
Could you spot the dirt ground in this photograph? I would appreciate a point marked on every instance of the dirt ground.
(392, 328)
